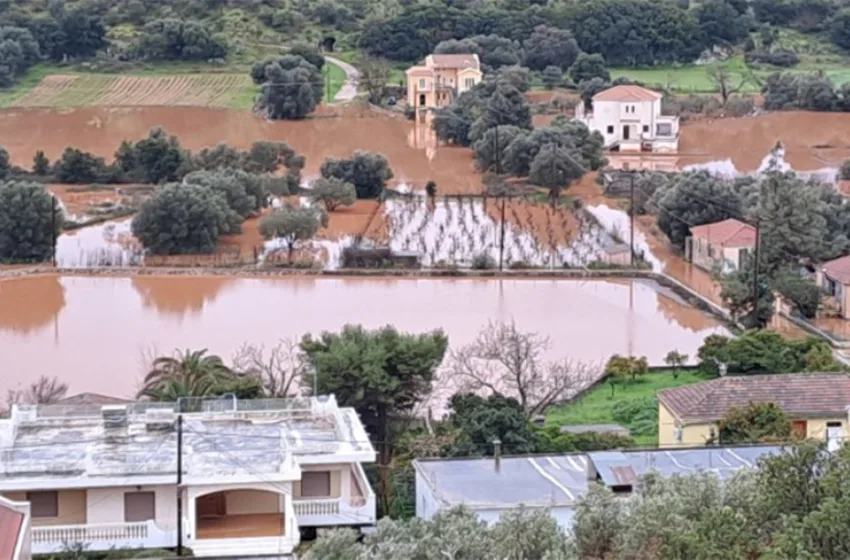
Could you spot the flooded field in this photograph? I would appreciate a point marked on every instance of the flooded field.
(331, 133)
(93, 332)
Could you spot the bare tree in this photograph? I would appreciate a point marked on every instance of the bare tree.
(722, 80)
(280, 367)
(513, 363)
(45, 390)
(374, 75)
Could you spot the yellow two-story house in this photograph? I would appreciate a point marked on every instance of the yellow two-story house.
(441, 78)
(815, 402)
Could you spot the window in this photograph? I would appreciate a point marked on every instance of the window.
(646, 128)
(315, 484)
(610, 129)
(798, 428)
(139, 506)
(43, 504)
(421, 83)
(469, 83)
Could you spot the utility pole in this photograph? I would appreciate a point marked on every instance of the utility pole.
(53, 230)
(498, 151)
(179, 482)
(632, 218)
(502, 236)
(756, 271)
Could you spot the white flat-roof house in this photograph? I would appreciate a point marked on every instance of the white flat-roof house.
(556, 482)
(630, 120)
(254, 473)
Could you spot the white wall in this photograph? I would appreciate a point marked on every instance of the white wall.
(426, 503)
(617, 114)
(106, 505)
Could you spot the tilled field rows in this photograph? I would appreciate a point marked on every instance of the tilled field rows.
(211, 90)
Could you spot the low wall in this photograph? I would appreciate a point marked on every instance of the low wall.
(686, 293)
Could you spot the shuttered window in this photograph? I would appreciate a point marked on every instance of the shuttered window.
(139, 506)
(43, 504)
(315, 484)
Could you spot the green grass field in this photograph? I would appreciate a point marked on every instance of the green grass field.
(596, 406)
(334, 79)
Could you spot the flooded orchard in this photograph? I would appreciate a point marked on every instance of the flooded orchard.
(94, 332)
(333, 132)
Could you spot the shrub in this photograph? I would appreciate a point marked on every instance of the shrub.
(483, 261)
(737, 106)
(639, 415)
(780, 57)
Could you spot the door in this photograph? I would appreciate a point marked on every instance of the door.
(834, 436)
(422, 100)
(625, 132)
(211, 505)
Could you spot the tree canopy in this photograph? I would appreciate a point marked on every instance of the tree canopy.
(182, 219)
(291, 87)
(367, 171)
(30, 222)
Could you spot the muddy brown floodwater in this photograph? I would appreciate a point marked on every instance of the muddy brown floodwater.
(333, 132)
(92, 332)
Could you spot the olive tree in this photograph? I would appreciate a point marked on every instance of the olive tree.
(367, 171)
(242, 191)
(293, 224)
(30, 221)
(291, 87)
(5, 165)
(184, 219)
(458, 533)
(333, 193)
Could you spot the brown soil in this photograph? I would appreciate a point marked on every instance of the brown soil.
(333, 132)
(551, 228)
(81, 202)
(546, 96)
(812, 140)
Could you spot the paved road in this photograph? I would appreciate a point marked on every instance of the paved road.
(352, 77)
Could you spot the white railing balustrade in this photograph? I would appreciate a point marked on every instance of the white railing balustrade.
(90, 533)
(316, 507)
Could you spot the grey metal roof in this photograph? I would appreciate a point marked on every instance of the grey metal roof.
(617, 468)
(533, 481)
(560, 480)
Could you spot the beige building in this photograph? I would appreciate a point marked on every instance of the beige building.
(725, 244)
(441, 78)
(816, 403)
(833, 278)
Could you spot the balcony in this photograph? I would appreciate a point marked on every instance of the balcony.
(146, 534)
(358, 508)
(247, 534)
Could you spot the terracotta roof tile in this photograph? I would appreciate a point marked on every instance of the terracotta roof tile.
(627, 93)
(800, 395)
(11, 522)
(93, 398)
(838, 269)
(454, 60)
(728, 233)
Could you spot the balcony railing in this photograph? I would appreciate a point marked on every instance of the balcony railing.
(346, 510)
(305, 507)
(102, 536)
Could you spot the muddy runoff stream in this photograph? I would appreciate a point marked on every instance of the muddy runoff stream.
(94, 332)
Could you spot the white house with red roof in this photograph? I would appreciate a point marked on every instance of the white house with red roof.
(629, 119)
(441, 78)
(833, 278)
(725, 244)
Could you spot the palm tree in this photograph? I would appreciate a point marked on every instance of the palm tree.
(186, 374)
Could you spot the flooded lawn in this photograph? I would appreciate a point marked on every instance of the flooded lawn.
(331, 133)
(93, 332)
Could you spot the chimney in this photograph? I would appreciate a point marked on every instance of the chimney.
(497, 454)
